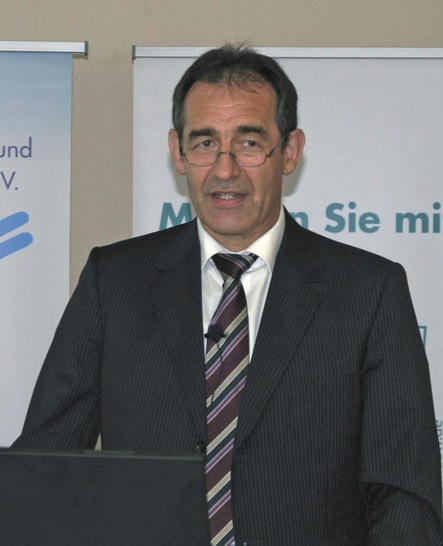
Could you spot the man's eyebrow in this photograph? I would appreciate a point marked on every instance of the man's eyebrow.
(240, 130)
(251, 129)
(204, 131)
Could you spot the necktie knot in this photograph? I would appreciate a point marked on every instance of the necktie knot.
(233, 265)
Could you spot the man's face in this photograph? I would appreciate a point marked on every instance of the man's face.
(236, 205)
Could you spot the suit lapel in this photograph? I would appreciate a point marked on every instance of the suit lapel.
(177, 296)
(290, 307)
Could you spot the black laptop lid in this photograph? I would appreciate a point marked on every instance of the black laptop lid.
(101, 498)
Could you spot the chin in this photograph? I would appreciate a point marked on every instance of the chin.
(227, 229)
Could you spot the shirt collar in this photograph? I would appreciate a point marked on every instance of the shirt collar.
(266, 247)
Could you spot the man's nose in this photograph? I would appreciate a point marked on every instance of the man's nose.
(226, 165)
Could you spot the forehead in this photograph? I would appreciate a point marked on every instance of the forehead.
(223, 107)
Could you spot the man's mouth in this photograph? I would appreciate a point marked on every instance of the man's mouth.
(227, 196)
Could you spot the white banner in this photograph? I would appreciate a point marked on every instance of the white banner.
(371, 171)
(35, 144)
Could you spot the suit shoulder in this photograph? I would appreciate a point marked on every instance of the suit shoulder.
(342, 271)
(345, 251)
(340, 259)
(144, 251)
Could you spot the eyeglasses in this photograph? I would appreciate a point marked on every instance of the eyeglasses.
(250, 157)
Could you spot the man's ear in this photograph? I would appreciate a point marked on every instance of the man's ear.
(293, 150)
(174, 146)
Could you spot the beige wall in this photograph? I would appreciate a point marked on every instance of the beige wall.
(102, 107)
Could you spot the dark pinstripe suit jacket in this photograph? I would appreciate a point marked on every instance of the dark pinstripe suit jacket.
(336, 440)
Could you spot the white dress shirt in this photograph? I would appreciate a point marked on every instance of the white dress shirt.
(255, 280)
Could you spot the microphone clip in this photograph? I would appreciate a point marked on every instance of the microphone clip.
(215, 333)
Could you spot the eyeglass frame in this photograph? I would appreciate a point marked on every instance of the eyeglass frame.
(234, 156)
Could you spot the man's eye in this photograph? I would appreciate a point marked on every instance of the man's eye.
(251, 144)
(204, 144)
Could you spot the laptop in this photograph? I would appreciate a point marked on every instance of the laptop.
(89, 498)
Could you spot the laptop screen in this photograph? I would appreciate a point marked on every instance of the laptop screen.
(88, 498)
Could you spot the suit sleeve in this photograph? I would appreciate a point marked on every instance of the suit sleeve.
(64, 412)
(400, 474)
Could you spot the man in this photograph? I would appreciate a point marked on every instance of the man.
(334, 442)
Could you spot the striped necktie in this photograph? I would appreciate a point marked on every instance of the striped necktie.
(226, 362)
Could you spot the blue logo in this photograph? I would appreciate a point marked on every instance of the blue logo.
(170, 217)
(16, 242)
(440, 435)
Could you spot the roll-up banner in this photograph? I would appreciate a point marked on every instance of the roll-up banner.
(371, 174)
(35, 164)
